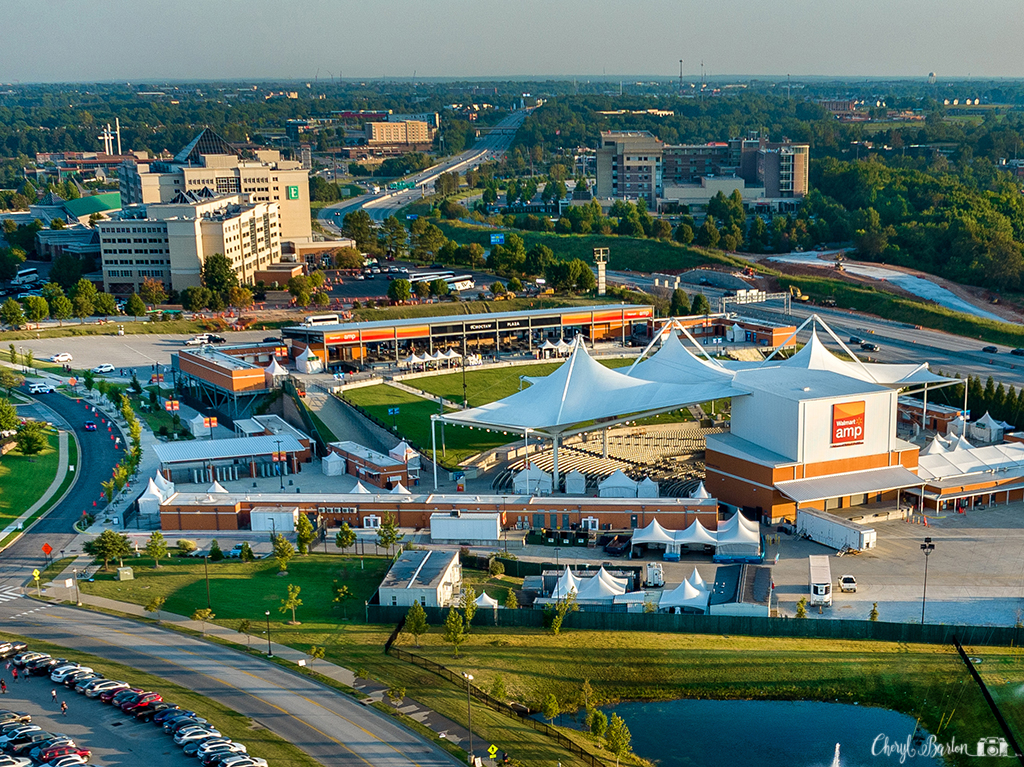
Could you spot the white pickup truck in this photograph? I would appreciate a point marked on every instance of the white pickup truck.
(847, 583)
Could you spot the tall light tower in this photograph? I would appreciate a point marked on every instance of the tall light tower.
(601, 259)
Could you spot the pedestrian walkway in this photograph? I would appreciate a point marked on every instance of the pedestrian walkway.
(62, 470)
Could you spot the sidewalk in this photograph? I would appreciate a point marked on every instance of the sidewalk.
(62, 470)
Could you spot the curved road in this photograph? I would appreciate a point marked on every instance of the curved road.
(96, 460)
(332, 728)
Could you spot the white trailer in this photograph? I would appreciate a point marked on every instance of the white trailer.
(466, 528)
(836, 532)
(820, 580)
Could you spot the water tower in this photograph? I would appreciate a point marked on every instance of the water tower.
(601, 259)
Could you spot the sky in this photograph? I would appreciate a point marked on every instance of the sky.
(157, 40)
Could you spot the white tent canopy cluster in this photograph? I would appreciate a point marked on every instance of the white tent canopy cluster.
(448, 356)
(601, 586)
(158, 490)
(693, 593)
(736, 536)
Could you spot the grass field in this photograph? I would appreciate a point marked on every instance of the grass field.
(259, 741)
(23, 479)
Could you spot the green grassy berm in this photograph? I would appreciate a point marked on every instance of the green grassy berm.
(24, 479)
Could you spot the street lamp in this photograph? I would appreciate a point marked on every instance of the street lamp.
(270, 653)
(469, 713)
(281, 473)
(558, 550)
(78, 598)
(927, 547)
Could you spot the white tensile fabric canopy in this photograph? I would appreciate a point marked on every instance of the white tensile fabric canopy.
(647, 488)
(566, 584)
(962, 443)
(673, 363)
(575, 483)
(333, 465)
(532, 481)
(617, 485)
(401, 451)
(400, 489)
(216, 487)
(700, 492)
(697, 582)
(935, 447)
(360, 489)
(654, 533)
(276, 369)
(165, 485)
(685, 595)
(738, 537)
(600, 586)
(149, 502)
(486, 601)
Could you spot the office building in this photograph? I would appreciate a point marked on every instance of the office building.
(170, 241)
(405, 132)
(210, 162)
(629, 166)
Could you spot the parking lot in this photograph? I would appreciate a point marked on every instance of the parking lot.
(116, 740)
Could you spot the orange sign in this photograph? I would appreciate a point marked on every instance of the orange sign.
(210, 423)
(848, 423)
(171, 405)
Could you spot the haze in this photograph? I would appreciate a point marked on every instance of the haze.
(70, 40)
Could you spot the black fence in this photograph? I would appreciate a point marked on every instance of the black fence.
(1011, 740)
(913, 633)
(520, 714)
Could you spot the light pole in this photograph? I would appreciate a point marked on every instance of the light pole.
(927, 547)
(558, 550)
(281, 473)
(469, 713)
(270, 652)
(206, 567)
(78, 599)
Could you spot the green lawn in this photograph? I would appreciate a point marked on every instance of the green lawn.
(24, 479)
(259, 741)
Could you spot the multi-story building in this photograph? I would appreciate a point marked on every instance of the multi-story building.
(210, 162)
(169, 242)
(629, 166)
(404, 132)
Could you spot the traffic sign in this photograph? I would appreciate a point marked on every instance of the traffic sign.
(73, 381)
(171, 405)
(492, 751)
(392, 411)
(497, 239)
(47, 548)
(210, 423)
(35, 575)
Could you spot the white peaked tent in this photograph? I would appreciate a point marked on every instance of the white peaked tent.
(653, 533)
(935, 447)
(400, 489)
(566, 584)
(451, 355)
(955, 428)
(165, 485)
(547, 347)
(736, 333)
(962, 443)
(647, 488)
(563, 347)
(600, 587)
(674, 363)
(486, 601)
(402, 452)
(617, 485)
(149, 501)
(532, 481)
(333, 465)
(696, 581)
(738, 537)
(274, 372)
(575, 483)
(700, 492)
(360, 489)
(685, 595)
(216, 487)
(987, 429)
(197, 427)
(308, 362)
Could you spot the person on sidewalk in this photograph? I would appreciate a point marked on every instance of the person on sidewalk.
(53, 695)
(3, 687)
(64, 708)
(15, 673)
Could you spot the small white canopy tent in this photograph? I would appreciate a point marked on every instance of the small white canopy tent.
(149, 501)
(548, 348)
(274, 372)
(738, 537)
(696, 581)
(333, 465)
(935, 447)
(962, 443)
(601, 587)
(987, 429)
(451, 355)
(563, 347)
(736, 333)
(696, 533)
(617, 485)
(653, 533)
(360, 489)
(216, 487)
(685, 595)
(647, 488)
(700, 492)
(402, 452)
(575, 483)
(308, 362)
(400, 489)
(197, 427)
(566, 584)
(486, 601)
(957, 426)
(532, 481)
(165, 485)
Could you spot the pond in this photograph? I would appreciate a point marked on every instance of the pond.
(755, 733)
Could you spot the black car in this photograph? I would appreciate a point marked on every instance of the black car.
(29, 740)
(147, 712)
(43, 666)
(162, 716)
(856, 340)
(272, 340)
(869, 347)
(990, 350)
(213, 339)
(1018, 352)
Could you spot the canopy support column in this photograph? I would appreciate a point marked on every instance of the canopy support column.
(554, 463)
(924, 411)
(433, 444)
(604, 446)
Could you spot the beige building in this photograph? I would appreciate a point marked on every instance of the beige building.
(209, 162)
(170, 241)
(629, 166)
(404, 132)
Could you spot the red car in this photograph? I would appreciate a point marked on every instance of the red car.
(90, 426)
(52, 753)
(116, 696)
(133, 703)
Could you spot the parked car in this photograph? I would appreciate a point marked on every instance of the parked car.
(63, 672)
(19, 731)
(1018, 352)
(142, 700)
(147, 712)
(198, 747)
(190, 734)
(7, 649)
(116, 696)
(870, 347)
(65, 761)
(847, 583)
(6, 760)
(30, 740)
(243, 761)
(24, 657)
(214, 756)
(46, 745)
(52, 753)
(61, 357)
(856, 340)
(72, 679)
(40, 388)
(176, 724)
(272, 340)
(236, 551)
(105, 687)
(990, 350)
(161, 716)
(106, 367)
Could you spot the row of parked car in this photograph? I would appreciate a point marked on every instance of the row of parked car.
(25, 744)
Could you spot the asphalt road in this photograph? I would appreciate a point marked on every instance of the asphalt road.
(333, 729)
(96, 460)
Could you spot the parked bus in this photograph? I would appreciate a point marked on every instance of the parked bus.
(430, 276)
(26, 277)
(322, 319)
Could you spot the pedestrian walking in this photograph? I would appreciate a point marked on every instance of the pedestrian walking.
(53, 695)
(3, 687)
(64, 707)
(15, 673)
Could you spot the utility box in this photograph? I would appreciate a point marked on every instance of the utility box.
(124, 574)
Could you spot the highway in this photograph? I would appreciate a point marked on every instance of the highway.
(385, 204)
(332, 728)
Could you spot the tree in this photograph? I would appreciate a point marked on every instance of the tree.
(416, 622)
(8, 416)
(11, 313)
(873, 616)
(439, 287)
(185, 546)
(317, 652)
(511, 601)
(342, 594)
(292, 602)
(400, 291)
(708, 235)
(246, 554)
(82, 307)
(203, 615)
(350, 258)
(393, 237)
(244, 626)
(801, 608)
(422, 289)
(105, 304)
(454, 630)
(9, 379)
(108, 545)
(240, 298)
(218, 275)
(498, 691)
(599, 724)
(359, 226)
(67, 271)
(152, 291)
(36, 308)
(156, 547)
(496, 568)
(216, 554)
(304, 533)
(155, 605)
(195, 298)
(469, 605)
(550, 708)
(283, 551)
(345, 537)
(136, 307)
(61, 309)
(89, 380)
(27, 358)
(387, 533)
(618, 738)
(700, 305)
(426, 240)
(562, 608)
(680, 305)
(31, 438)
